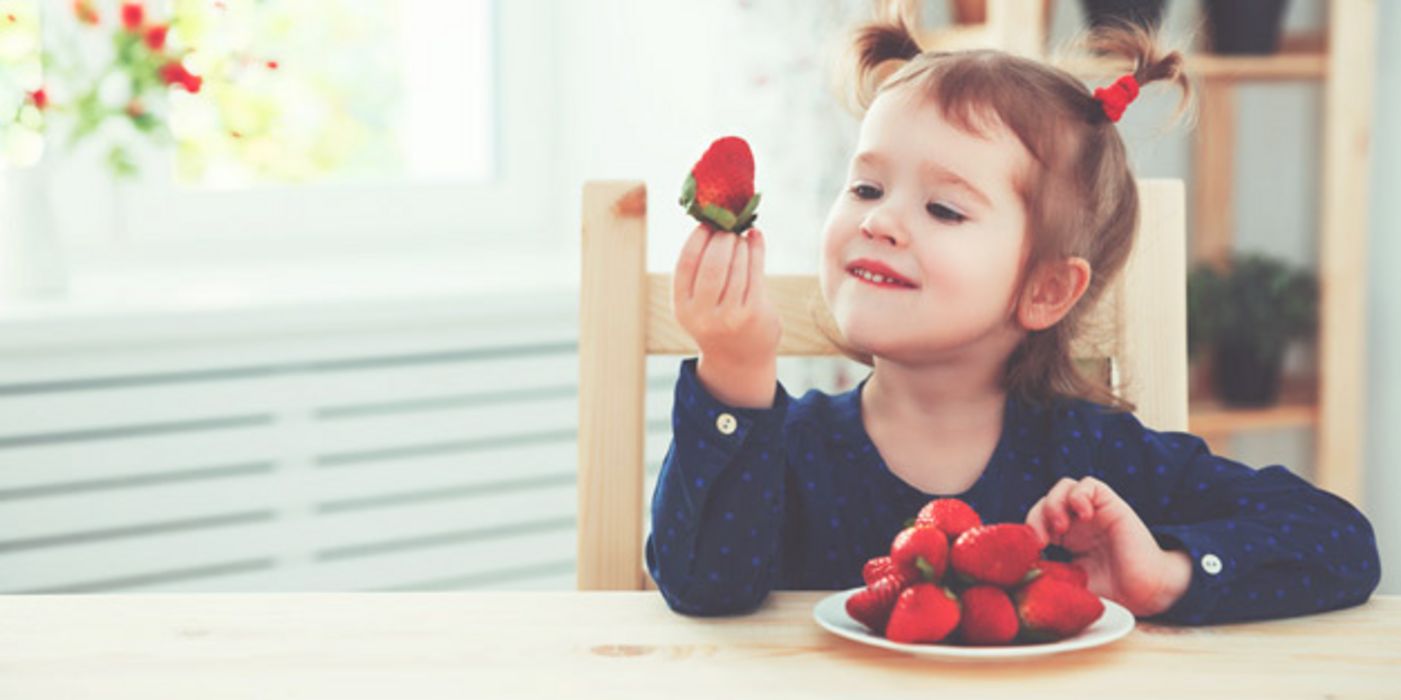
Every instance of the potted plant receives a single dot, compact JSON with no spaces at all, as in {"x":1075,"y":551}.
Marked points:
{"x":1147,"y":13}
{"x":1244,"y":315}
{"x":1245,"y":26}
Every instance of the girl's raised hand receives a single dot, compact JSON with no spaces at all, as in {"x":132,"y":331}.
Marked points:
{"x":1108,"y":539}
{"x":719,"y":298}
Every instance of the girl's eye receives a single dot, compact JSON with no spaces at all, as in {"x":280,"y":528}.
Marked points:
{"x":865,"y":192}
{"x":944,"y":213}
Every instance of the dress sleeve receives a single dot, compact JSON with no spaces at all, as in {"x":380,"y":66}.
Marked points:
{"x":1263,"y":543}
{"x":717,"y":510}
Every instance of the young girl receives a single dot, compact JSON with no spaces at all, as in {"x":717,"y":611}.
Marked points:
{"x":989,"y":203}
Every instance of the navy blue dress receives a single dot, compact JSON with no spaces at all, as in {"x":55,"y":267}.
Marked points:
{"x":797,"y":497}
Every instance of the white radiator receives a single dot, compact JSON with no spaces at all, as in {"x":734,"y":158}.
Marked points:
{"x":412,"y":451}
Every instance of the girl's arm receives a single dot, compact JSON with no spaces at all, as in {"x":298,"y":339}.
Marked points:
{"x":1263,"y":543}
{"x":717,"y":511}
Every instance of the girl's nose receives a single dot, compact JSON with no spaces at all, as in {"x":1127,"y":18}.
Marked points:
{"x":882,"y":228}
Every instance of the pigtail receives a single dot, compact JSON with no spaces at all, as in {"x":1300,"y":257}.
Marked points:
{"x":1151,"y":61}
{"x":874,"y":51}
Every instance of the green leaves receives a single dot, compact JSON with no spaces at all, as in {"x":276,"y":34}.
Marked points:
{"x":1256,"y":301}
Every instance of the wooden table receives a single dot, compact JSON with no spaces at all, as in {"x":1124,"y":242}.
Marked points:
{"x":623,"y":644}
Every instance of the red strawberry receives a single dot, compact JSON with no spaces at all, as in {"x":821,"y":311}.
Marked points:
{"x":1051,"y":609}
{"x":871,"y":606}
{"x":880,"y":567}
{"x":951,"y":515}
{"x":924,"y":613}
{"x":720,"y":189}
{"x":998,"y":554}
{"x":1068,"y":572}
{"x":925,"y":549}
{"x":988,"y":616}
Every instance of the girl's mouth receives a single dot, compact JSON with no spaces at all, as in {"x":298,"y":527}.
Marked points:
{"x":877,"y":279}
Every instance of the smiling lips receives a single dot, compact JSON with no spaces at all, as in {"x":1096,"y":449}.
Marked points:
{"x":878,"y":274}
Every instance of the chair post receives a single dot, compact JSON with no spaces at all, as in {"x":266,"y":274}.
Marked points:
{"x":612,"y":382}
{"x":1151,"y":359}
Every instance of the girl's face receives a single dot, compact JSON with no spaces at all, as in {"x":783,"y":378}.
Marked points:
{"x":934,"y":207}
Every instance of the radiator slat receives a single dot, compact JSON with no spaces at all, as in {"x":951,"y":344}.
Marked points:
{"x":53,"y":567}
{"x":97,"y":510}
{"x":130,"y":408}
{"x":445,"y":471}
{"x":358,"y":533}
{"x":374,"y":433}
{"x":131,"y":457}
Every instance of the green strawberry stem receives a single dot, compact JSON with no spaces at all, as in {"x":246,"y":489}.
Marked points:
{"x":722,"y":217}
{"x":747,"y":216}
{"x":688,"y":191}
{"x":925,"y":569}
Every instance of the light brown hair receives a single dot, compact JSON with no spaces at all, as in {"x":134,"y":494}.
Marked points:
{"x":1081,"y":197}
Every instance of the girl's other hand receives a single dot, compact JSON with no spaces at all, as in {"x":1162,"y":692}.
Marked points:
{"x":1108,"y":539}
{"x":719,"y":298}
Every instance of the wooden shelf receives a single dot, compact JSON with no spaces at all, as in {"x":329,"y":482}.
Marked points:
{"x":1282,"y":66}
{"x":1297,"y":408}
{"x":1216,"y":419}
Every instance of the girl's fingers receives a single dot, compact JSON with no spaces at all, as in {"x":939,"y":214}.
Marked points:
{"x":1036,"y":518}
{"x":754,"y":284}
{"x":1058,"y":519}
{"x":1081,"y":500}
{"x":714,"y":269}
{"x":755,"y":288}
{"x":732,"y":296}
{"x":683,"y":281}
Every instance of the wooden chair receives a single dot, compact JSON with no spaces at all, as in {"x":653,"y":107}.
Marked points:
{"x":1137,"y":337}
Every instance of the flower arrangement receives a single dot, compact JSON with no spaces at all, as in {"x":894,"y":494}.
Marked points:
{"x":63,"y":96}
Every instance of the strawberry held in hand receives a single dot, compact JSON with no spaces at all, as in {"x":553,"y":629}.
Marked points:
{"x":720,"y":189}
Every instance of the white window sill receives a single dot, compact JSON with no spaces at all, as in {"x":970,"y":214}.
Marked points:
{"x":116,"y":305}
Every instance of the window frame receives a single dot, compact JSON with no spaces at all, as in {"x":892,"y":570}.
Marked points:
{"x":273,"y":222}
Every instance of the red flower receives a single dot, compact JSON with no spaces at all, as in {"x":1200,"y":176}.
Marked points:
{"x":133,"y":14}
{"x":174,"y":73}
{"x":40,"y":98}
{"x":86,"y":13}
{"x":155,"y":37}
{"x":272,"y":65}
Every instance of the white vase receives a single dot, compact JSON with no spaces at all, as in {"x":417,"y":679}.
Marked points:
{"x":32,"y":264}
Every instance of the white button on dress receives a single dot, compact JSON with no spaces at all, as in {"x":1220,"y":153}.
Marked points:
{"x":726,"y":423}
{"x":1211,"y":564}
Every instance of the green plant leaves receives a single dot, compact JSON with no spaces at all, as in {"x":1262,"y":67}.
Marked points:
{"x":1255,"y":301}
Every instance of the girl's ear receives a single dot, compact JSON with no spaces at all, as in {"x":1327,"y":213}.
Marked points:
{"x":1054,"y":288}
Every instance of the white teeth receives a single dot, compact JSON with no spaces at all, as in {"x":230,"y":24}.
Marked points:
{"x":878,"y":279}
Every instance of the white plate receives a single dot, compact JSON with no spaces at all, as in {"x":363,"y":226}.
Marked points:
{"x":1114,"y":623}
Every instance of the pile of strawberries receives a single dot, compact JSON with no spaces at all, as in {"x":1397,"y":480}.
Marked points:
{"x":949,"y":578}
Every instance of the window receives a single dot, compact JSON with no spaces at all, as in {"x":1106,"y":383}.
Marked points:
{"x":374,"y":126}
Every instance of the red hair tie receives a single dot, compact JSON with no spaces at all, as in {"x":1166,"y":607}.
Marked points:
{"x":1117,"y":96}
